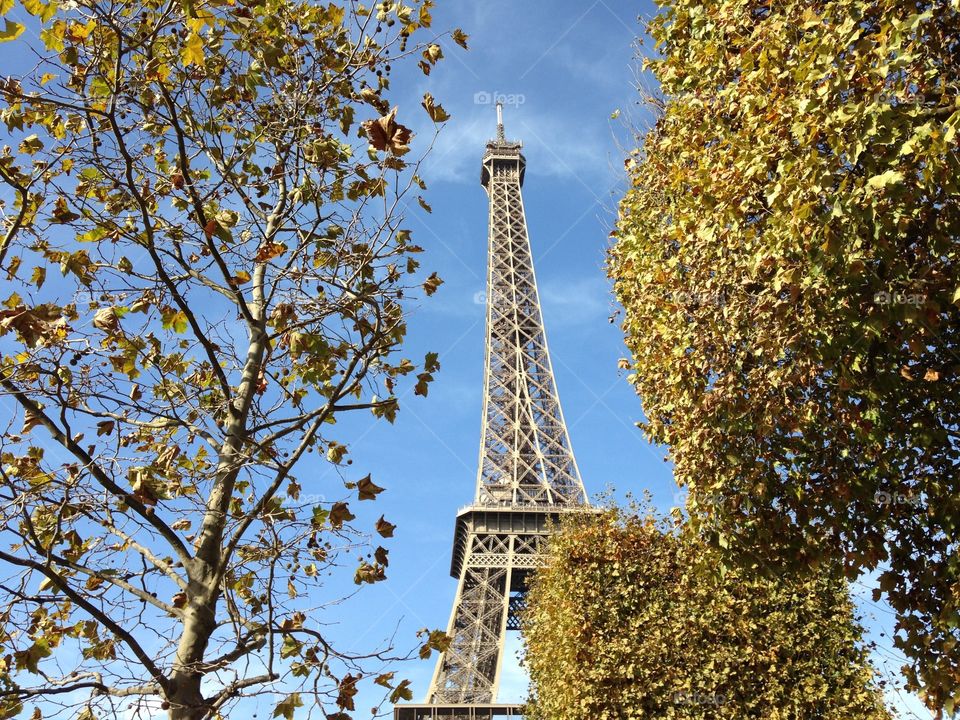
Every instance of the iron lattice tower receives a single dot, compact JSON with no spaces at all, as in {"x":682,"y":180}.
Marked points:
{"x":527,"y":473}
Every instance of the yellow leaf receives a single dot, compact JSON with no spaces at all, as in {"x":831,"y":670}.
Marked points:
{"x":39,"y":9}
{"x":52,"y":36}
{"x":193,"y":50}
{"x":11,"y":32}
{"x":34,"y":7}
{"x":78,"y":31}
{"x":425,"y":18}
{"x":433,"y":53}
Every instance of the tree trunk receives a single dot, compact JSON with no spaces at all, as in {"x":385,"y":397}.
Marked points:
{"x":199,"y":621}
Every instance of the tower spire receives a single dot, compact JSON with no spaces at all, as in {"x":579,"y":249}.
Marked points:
{"x":527,"y":475}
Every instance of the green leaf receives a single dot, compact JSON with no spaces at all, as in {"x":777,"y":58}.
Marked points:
{"x":30,"y":658}
{"x":290,"y":647}
{"x":175,"y":320}
{"x":401,"y":693}
{"x":288,"y":706}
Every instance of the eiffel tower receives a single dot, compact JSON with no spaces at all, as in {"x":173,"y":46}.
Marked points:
{"x":527,"y":474}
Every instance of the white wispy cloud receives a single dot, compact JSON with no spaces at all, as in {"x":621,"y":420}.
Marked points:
{"x":583,"y":300}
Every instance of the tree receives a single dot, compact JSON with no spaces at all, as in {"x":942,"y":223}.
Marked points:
{"x":205,"y":269}
{"x":628,"y":620}
{"x":787,"y":258}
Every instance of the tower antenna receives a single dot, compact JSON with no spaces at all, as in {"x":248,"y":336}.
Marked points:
{"x":500,"y":135}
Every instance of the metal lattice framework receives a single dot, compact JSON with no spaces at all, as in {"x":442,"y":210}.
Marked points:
{"x":525,"y":455}
{"x":527,"y":472}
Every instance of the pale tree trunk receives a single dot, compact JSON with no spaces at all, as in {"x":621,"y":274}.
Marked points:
{"x":205,"y":570}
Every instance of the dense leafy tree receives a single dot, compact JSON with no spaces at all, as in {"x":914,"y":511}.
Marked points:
{"x":787,"y":256}
{"x":628,"y":620}
{"x":205,"y":266}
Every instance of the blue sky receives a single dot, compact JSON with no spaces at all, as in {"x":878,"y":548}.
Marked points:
{"x":563,"y":68}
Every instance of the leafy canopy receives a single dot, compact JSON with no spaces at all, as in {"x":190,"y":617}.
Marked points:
{"x":202,"y":236}
{"x":787,"y":256}
{"x":630,"y":620}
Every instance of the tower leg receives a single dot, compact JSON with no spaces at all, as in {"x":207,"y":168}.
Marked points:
{"x":469,"y":670}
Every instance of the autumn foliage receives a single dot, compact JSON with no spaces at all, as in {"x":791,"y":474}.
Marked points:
{"x":631,"y":620}
{"x":205,"y":265}
{"x":787,"y":257}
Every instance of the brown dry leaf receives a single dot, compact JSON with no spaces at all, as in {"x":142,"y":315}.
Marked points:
{"x":387,"y":134}
{"x":431,"y":284}
{"x":106,"y":319}
{"x":268,"y":251}
{"x":339,"y":514}
{"x":367,"y":489}
{"x":30,"y":421}
{"x":384,"y":527}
